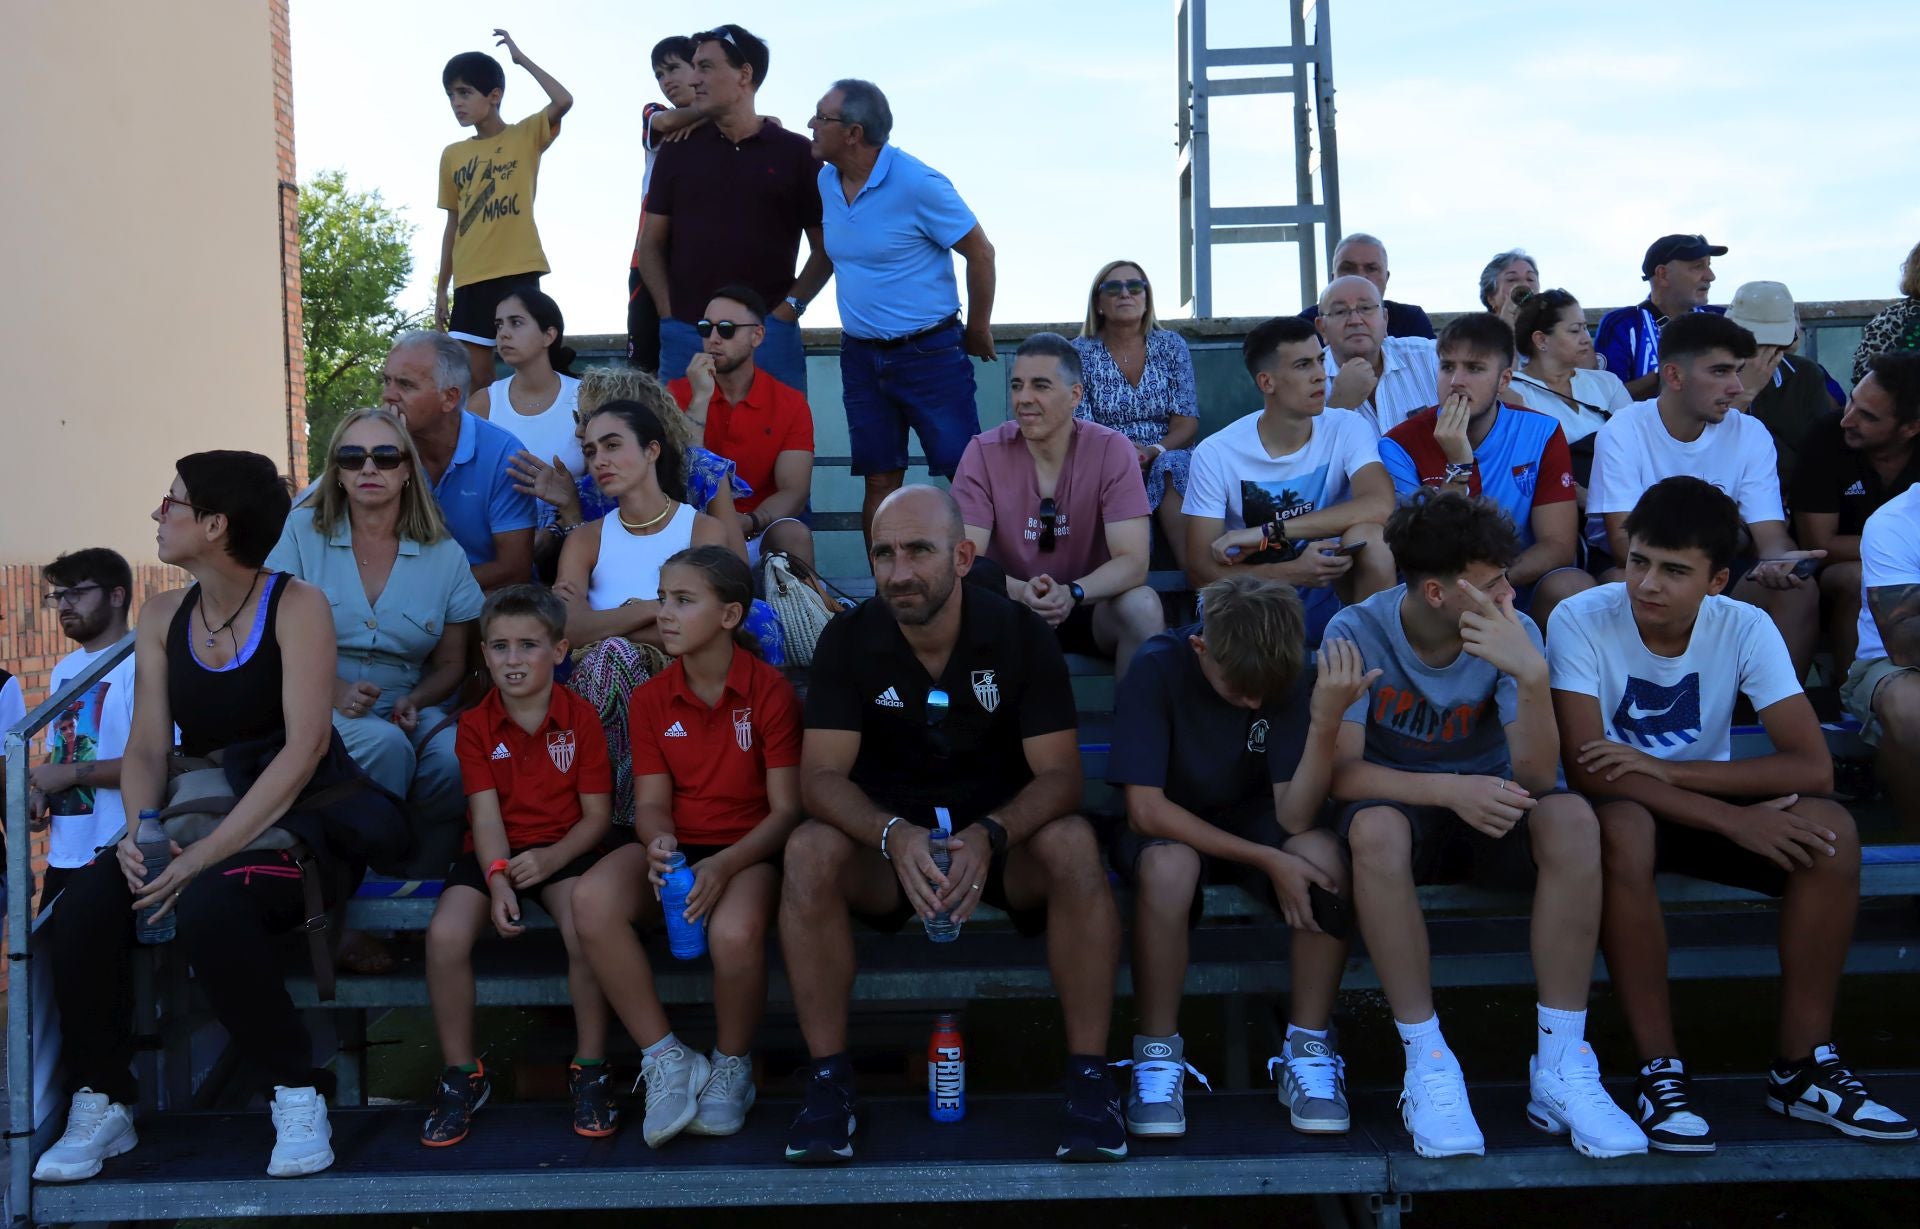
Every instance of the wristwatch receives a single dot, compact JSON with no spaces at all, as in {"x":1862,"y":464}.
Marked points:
{"x":1074,"y":591}
{"x":996,"y":835}
{"x":799,"y":306}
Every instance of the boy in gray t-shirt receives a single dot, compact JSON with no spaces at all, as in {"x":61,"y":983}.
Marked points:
{"x":1454,"y":750}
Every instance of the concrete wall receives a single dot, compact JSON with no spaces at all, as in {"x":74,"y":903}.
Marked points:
{"x":146,"y":314}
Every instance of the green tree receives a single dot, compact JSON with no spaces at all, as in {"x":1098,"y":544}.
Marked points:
{"x":354,"y":262}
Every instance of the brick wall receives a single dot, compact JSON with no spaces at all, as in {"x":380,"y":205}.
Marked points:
{"x":289,"y":198}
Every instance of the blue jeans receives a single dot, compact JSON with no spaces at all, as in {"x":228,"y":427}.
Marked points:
{"x":781,"y":355}
{"x":926,"y":384}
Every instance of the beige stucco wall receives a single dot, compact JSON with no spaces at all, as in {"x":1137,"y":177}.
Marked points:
{"x":142,"y":313}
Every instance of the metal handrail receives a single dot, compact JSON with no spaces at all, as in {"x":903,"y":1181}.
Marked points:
{"x":20,"y":1115}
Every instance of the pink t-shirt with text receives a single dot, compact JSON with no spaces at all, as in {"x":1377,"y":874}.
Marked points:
{"x":1099,"y":483}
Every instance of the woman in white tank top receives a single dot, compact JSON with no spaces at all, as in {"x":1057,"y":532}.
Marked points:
{"x":610,"y":568}
{"x":537,"y":402}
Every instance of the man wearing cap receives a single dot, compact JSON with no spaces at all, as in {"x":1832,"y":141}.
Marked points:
{"x":1362,"y":255}
{"x":1678,"y":270}
{"x":1786,"y":391}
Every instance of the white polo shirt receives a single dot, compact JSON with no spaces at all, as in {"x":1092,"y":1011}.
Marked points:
{"x":1409,"y":382}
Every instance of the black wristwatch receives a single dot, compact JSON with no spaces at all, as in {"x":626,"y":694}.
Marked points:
{"x":996,"y":835}
{"x":1074,"y":591}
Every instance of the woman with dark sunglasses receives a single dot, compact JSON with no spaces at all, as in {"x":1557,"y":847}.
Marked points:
{"x":1139,"y":381}
{"x":404,"y":601}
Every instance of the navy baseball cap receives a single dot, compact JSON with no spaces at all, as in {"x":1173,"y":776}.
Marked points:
{"x":1677,"y":247}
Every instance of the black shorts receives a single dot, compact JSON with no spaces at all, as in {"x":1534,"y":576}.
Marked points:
{"x":993,"y":891}
{"x":1681,"y":850}
{"x":1253,"y":820}
{"x":467,"y":872}
{"x":471,"y":319}
{"x":1448,"y":849}
{"x":1076,"y":632}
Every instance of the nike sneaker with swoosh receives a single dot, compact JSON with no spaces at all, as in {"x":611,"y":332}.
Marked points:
{"x":1821,"y":1089}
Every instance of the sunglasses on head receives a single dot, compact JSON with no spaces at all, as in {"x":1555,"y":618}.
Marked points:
{"x":353,"y":457}
{"x":937,"y":706}
{"x":1049,"y":521}
{"x":726,"y":328}
{"x":1132,"y":285}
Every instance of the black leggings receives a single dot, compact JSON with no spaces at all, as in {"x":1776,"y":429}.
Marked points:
{"x":229,"y":916}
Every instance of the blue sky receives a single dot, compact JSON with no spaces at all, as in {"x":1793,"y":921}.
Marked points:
{"x":1577,"y":132}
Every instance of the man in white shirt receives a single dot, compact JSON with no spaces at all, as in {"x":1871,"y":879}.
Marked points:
{"x":1883,"y":685}
{"x":78,"y":788}
{"x":1644,"y":679}
{"x":1691,"y":429}
{"x":1384,"y":378}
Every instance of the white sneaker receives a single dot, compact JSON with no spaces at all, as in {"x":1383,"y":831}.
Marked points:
{"x":1572,"y":1099}
{"x":96,"y":1129}
{"x":674,"y":1080}
{"x":728,"y":1095}
{"x":1434,"y":1109}
{"x":303,"y":1141}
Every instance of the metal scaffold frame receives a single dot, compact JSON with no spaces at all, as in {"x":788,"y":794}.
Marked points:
{"x":1306,"y":66}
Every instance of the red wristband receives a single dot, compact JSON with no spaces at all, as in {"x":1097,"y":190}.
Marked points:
{"x":499,"y":864}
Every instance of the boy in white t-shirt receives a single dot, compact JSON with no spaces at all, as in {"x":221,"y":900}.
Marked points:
{"x":1691,"y":428}
{"x":1296,"y":492}
{"x":1882,"y":688}
{"x":1644,"y":676}
{"x":78,"y":788}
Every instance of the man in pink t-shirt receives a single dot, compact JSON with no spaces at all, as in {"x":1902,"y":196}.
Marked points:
{"x":1058,"y":503}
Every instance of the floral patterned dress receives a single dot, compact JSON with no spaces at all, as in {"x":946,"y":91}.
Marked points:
{"x":1142,"y":411}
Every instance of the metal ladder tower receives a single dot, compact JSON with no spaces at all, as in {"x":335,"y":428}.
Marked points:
{"x":1308,"y":62}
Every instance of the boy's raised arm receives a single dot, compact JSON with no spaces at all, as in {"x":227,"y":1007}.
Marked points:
{"x":559,"y":100}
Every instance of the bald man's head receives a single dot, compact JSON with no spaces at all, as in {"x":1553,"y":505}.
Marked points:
{"x":919,"y":551}
{"x":921,"y":504}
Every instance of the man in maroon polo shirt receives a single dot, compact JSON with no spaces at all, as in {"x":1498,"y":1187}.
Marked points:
{"x":729,"y":204}
{"x":760,"y":424}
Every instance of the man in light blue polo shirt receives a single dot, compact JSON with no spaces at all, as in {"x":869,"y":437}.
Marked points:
{"x":892,"y":224}
{"x":465,"y":456}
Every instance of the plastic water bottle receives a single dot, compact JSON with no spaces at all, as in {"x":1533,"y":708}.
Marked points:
{"x":946,"y":1070}
{"x":155,"y":851}
{"x":941,"y":928}
{"x":686,"y":940}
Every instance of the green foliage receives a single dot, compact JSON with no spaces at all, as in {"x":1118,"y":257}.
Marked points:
{"x":354,"y":262}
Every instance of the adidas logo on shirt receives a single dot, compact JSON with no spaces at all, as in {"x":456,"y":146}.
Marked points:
{"x":889,"y":699}
{"x":1858,"y":488}
{"x":500,"y":752}
{"x":676,"y":730}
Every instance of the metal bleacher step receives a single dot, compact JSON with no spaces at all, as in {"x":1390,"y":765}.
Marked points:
{"x":523,"y":1157}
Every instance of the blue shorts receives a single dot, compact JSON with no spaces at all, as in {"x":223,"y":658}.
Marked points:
{"x":926,"y":383}
{"x":781,"y":355}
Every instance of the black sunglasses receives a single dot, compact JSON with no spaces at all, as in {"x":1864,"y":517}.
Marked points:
{"x":726,"y":328}
{"x":937,"y":706}
{"x":1049,"y":521}
{"x":1132,"y":285}
{"x":352,"y":457}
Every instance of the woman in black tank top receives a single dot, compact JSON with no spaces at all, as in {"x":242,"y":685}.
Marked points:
{"x":243,"y":663}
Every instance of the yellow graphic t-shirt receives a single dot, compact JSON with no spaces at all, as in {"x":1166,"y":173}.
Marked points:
{"x":489,"y":182}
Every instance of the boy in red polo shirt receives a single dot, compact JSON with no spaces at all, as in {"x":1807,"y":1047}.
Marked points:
{"x":539,"y":790}
{"x":716,"y":754}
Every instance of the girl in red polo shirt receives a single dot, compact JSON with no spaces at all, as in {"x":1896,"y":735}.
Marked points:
{"x":716,"y":754}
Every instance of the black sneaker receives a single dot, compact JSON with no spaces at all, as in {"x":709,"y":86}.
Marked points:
{"x":595,"y":1115}
{"x":1821,"y":1089}
{"x":822,"y":1132}
{"x":1095,"y":1129}
{"x":1664,"y":1110}
{"x":459,"y":1096}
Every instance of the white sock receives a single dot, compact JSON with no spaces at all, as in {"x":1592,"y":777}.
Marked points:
{"x":660,"y":1047}
{"x":1422,"y":1040}
{"x":1560,"y":1032}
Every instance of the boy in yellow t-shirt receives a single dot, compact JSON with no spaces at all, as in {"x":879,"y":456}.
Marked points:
{"x":487,"y":184}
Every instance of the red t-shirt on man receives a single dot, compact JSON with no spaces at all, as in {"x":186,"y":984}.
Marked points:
{"x":718,"y":757}
{"x":771,"y":419}
{"x":539,"y":776}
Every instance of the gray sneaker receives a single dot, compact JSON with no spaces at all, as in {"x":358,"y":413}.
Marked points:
{"x":1313,"y":1086}
{"x":674,"y":1080}
{"x":726,"y":1098}
{"x":1156,"y":1097}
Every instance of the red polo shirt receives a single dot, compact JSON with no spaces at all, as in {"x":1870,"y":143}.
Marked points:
{"x":539,"y":776}
{"x":718,"y":757}
{"x":771,"y":419}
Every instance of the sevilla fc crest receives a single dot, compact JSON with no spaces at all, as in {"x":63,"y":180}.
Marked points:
{"x":560,"y":749}
{"x":743,"y":728}
{"x":986,"y":690}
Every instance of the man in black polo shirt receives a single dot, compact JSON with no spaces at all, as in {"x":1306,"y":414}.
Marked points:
{"x":1849,"y":466}
{"x":729,"y":204}
{"x":937,"y":694}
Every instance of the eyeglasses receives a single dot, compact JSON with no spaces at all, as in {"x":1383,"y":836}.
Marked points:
{"x":1049,"y":521}
{"x":69,"y":597}
{"x":352,"y":457}
{"x":1341,"y":313}
{"x":938,"y":705}
{"x":1132,"y":285}
{"x":726,"y":328}
{"x":827,"y":119}
{"x":170,"y":501}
